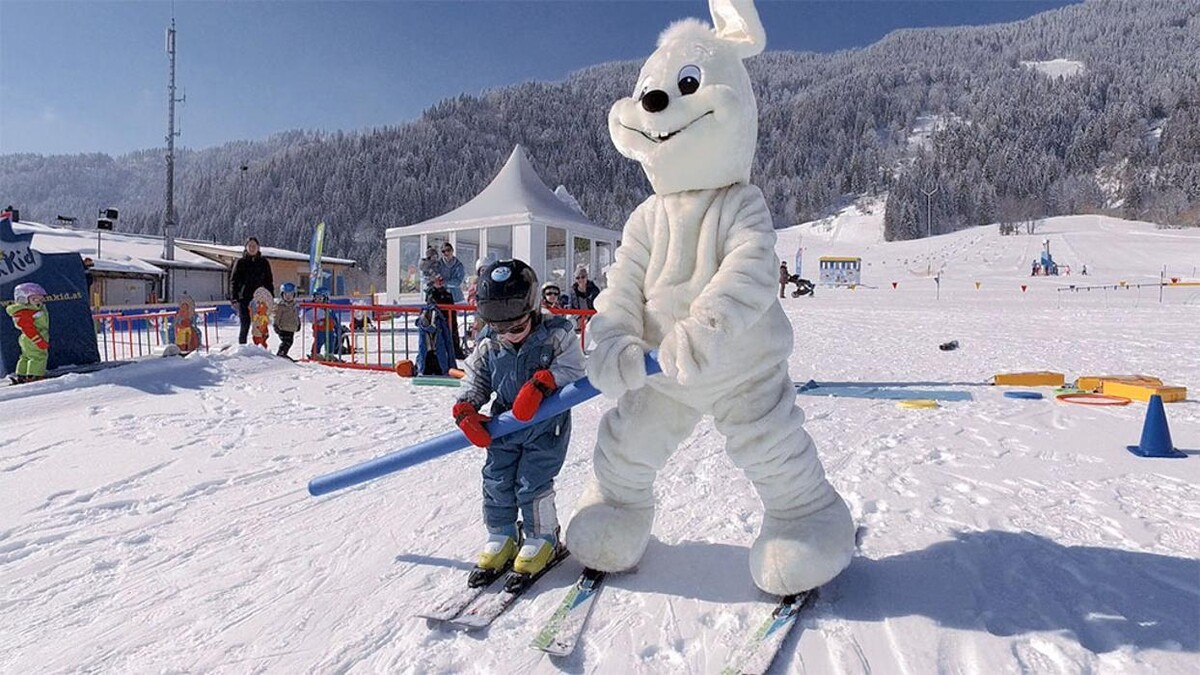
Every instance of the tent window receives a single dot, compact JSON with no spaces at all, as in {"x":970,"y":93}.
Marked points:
{"x":583,"y":255}
{"x":556,"y":256}
{"x":499,"y":242}
{"x":604,"y":258}
{"x":467,"y":249}
{"x":410,"y":258}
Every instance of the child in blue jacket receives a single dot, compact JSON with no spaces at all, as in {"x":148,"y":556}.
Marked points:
{"x":522,"y":357}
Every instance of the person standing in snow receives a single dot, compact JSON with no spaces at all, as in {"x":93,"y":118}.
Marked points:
{"x":32,"y":319}
{"x":784,"y":276}
{"x":428,"y":268}
{"x":582,"y":293}
{"x":453,"y":274}
{"x":523,"y":357}
{"x":476,"y":324}
{"x":287,"y":318}
{"x":452,"y":271}
{"x":327,"y":329}
{"x":438,"y":294}
{"x":551,"y":296}
{"x":250,"y":272}
{"x":90,"y":277}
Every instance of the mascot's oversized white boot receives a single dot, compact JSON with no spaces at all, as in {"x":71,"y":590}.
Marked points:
{"x":696,"y":277}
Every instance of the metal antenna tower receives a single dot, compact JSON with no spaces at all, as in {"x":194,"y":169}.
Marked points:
{"x":169,"y":218}
{"x":929,"y":210}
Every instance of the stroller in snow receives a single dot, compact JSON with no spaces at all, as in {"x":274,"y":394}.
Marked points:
{"x":803,"y":286}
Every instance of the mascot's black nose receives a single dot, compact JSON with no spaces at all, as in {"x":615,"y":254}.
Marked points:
{"x":656,"y":100}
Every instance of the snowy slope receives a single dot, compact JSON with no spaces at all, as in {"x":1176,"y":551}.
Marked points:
{"x":154,"y":517}
{"x":1113,"y":250}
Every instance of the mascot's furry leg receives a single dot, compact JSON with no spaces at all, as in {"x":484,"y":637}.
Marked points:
{"x":611,"y":525}
{"x":807,"y":535}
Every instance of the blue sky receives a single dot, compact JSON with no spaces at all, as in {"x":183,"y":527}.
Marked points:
{"x":91,"y":76}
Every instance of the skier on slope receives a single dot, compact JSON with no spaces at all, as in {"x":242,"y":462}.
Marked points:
{"x":327,"y":329}
{"x":287,"y":318}
{"x":32,"y":319}
{"x":523,"y":357}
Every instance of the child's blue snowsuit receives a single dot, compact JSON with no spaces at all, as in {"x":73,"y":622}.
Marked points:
{"x":327,"y":334}
{"x":519,"y":472}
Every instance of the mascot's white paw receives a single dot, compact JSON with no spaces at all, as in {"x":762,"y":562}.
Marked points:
{"x":791,"y":556}
{"x":677,"y":357}
{"x":607,"y":536}
{"x":668,"y":358}
{"x":616,"y":366}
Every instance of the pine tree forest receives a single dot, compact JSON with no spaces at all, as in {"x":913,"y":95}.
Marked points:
{"x":956,"y":126}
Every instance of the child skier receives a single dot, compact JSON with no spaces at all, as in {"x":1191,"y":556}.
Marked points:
{"x":259,"y":323}
{"x":32,"y":319}
{"x":522,"y":357}
{"x":287,"y":318}
{"x":327,"y":331}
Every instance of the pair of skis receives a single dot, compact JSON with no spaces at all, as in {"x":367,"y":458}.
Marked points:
{"x":561,"y":632}
{"x":474,"y":608}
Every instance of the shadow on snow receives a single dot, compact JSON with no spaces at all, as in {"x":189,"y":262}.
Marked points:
{"x":1010,"y":583}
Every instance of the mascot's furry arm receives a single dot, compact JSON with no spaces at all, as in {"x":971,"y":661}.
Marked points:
{"x":616,"y":365}
{"x":737,"y":296}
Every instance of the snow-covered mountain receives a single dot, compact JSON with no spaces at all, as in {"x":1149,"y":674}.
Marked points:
{"x":154,"y":517}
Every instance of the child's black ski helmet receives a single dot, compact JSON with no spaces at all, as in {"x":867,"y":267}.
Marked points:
{"x":507,"y":290}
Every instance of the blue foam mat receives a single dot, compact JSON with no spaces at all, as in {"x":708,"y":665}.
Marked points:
{"x":868,"y":391}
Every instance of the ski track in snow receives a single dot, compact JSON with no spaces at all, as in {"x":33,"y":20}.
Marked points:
{"x":155,"y":517}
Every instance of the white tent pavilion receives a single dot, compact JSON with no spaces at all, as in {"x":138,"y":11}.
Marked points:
{"x":516,"y":215}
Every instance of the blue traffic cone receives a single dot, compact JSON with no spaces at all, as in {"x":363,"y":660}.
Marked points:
{"x":1156,"y":437}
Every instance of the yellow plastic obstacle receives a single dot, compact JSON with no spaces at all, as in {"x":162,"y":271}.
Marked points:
{"x":917,"y":403}
{"x":1042,"y":378}
{"x":1143,"y":392}
{"x":1093,"y":383}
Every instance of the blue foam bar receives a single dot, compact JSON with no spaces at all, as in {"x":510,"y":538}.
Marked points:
{"x":564,"y":399}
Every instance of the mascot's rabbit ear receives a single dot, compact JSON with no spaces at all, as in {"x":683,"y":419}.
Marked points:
{"x":736,"y":21}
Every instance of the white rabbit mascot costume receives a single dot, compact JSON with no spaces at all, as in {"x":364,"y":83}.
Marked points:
{"x":696,"y":277}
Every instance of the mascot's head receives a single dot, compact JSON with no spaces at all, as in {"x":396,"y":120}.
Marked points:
{"x":692,"y":121}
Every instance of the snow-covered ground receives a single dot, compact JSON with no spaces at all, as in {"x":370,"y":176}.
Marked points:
{"x":154,"y":517}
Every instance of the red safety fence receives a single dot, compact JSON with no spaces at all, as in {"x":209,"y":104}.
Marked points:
{"x":128,"y":336}
{"x":377,"y":337}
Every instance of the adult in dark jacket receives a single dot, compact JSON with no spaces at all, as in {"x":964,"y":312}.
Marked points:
{"x":582,"y":294}
{"x":250,"y":272}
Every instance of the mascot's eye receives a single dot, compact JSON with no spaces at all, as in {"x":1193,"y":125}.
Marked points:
{"x":689,"y":80}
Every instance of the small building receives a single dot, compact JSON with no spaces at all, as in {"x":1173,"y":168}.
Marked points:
{"x":515,"y":216}
{"x":129,"y":269}
{"x":285,"y":265}
{"x":840,"y":271}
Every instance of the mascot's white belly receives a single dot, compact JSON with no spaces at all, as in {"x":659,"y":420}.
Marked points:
{"x":689,"y":237}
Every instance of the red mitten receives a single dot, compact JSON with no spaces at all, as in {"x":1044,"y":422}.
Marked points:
{"x":42,"y":344}
{"x":532,"y":392}
{"x":471,"y":422}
